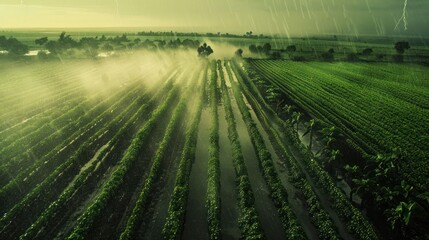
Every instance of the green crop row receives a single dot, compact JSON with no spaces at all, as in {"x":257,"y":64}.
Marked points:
{"x":249,"y":223}
{"x":213,"y":184}
{"x":23,"y":180}
{"x":53,"y":209}
{"x":367,"y":112}
{"x":177,"y":206}
{"x":320,"y":218}
{"x":41,"y":195}
{"x":353,"y":219}
{"x":277,"y":191}
{"x":87,"y":219}
{"x":140,"y":207}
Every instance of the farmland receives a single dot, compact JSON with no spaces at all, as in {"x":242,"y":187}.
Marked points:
{"x":166,"y":145}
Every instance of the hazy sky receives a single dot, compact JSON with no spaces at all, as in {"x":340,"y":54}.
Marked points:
{"x":293,"y":17}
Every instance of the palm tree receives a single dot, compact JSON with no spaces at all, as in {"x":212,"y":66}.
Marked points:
{"x":296,"y":117}
{"x":352,"y":172}
{"x":400,"y":216}
{"x":328,"y":138}
{"x":310,"y":127}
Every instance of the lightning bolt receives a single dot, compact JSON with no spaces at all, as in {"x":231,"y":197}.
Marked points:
{"x":404,"y":17}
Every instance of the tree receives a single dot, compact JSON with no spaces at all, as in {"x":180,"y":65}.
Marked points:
{"x":352,"y":57}
{"x":204,"y":50}
{"x":327,"y":137}
{"x":367,"y":51}
{"x":266,"y":48}
{"x":276,"y":55}
{"x":13,"y":46}
{"x":296,"y":118}
{"x":239,"y":53}
{"x":400,"y":50}
{"x":274,"y":96}
{"x":253,"y":48}
{"x":310,"y":128}
{"x":41,"y":41}
{"x":401,"y":47}
{"x":352,"y":172}
{"x":291,"y":49}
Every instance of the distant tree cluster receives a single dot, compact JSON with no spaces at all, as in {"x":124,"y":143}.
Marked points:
{"x":13,"y":46}
{"x":329,"y":55}
{"x":92,"y":45}
{"x":194,"y":34}
{"x":260,"y":49}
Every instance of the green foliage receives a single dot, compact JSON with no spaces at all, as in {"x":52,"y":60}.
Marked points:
{"x":277,"y":192}
{"x":352,"y":218}
{"x":53,"y":209}
{"x":177,"y":206}
{"x":204,"y":50}
{"x":136,"y":218}
{"x":248,"y":222}
{"x":213,"y":185}
{"x":13,"y":46}
{"x":401,"y":46}
{"x":87,"y":219}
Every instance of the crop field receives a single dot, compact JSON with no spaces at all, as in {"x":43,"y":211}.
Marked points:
{"x":165,"y":145}
{"x":377,"y":107}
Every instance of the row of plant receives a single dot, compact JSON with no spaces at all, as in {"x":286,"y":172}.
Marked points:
{"x":8,"y":151}
{"x":14,"y":110}
{"x":249,"y":223}
{"x":373,"y":119}
{"x":88,"y":123}
{"x":352,"y":217}
{"x":52,"y":186}
{"x":173,"y":226}
{"x":141,"y":205}
{"x":47,"y":114}
{"x":369,"y":76}
{"x":386,"y":113}
{"x":27,"y":177}
{"x":213,"y":181}
{"x":39,"y":142}
{"x":382,"y":92}
{"x":46,"y":75}
{"x":277,"y":191}
{"x":37,"y":91}
{"x":89,"y":217}
{"x":309,"y":103}
{"x":321,"y":220}
{"x":15,"y":116}
{"x":54,"y":209}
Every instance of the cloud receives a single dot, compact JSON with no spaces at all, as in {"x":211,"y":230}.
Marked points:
{"x":290,"y":17}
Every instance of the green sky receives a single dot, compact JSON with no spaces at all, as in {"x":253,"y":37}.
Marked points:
{"x":293,"y":17}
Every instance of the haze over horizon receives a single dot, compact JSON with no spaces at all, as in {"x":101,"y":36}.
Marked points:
{"x":286,"y":17}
